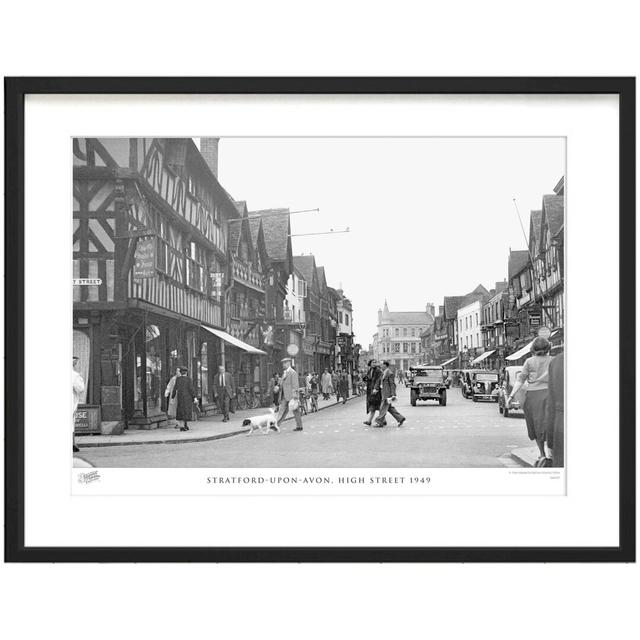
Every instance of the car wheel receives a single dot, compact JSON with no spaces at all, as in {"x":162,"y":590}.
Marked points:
{"x":443,"y":399}
{"x":505,"y":413}
{"x":475,"y":399}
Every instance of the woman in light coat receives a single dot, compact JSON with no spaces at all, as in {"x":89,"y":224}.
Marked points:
{"x":325,"y":384}
{"x":172,"y":402}
{"x":535,"y":371}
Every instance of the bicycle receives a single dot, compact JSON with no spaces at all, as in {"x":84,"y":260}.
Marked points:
{"x":246,"y":400}
{"x":302,"y":401}
{"x":314,"y":402}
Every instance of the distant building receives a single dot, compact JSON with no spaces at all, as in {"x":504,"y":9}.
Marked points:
{"x":398,"y":337}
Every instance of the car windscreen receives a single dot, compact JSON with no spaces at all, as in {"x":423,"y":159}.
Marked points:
{"x":486,"y":377}
{"x":428,"y":374}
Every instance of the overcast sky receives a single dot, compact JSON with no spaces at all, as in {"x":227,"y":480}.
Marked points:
{"x":428,"y":217}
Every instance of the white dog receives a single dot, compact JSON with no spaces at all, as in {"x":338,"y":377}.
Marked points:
{"x":264,"y":423}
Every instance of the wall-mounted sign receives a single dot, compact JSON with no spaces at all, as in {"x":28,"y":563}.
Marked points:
{"x":217,"y":282}
{"x":144,"y":261}
{"x":87,"y":282}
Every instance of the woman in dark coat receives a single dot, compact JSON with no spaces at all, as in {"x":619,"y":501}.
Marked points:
{"x":185,"y":395}
{"x":372,"y":380}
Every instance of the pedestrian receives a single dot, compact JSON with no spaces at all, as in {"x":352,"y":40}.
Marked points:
{"x":334,"y":382}
{"x":535,"y":371}
{"x":171,"y":402}
{"x":185,"y":397}
{"x":388,"y":391}
{"x":224,"y":391}
{"x":343,"y":387}
{"x":554,"y":424}
{"x":290,"y":394}
{"x":372,"y":379}
{"x":274,"y":389}
{"x":77,"y":384}
{"x":325,"y":384}
{"x":314,"y":386}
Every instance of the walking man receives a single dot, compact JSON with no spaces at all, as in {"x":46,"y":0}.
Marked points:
{"x":290,"y":386}
{"x":224,"y":391}
{"x":388,"y":391}
{"x":78,"y":389}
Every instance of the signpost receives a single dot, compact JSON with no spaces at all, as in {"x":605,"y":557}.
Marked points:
{"x":144,"y":261}
{"x":544,"y":332}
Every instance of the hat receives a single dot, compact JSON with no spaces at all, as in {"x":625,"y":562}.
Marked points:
{"x":286,"y":359}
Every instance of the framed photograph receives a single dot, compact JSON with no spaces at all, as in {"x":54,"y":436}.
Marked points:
{"x":320,"y":319}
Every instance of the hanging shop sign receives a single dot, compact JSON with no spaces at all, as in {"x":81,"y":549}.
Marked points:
{"x":144,"y":261}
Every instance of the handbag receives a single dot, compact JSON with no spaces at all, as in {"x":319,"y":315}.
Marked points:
{"x":294,"y":405}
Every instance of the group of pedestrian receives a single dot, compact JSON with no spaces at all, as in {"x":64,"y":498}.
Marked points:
{"x":544,"y":402}
{"x":381,"y":394}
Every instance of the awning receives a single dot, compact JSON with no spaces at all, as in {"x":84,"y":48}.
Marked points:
{"x":234,"y":341}
{"x":521,"y":352}
{"x":480,"y":358}
{"x":448,"y":361}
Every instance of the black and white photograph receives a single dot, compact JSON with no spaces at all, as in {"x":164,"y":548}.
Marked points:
{"x":319,"y":302}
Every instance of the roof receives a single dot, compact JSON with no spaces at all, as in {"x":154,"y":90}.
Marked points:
{"x":275,"y":225}
{"x":517,"y":261}
{"x":534,"y":227}
{"x":322,"y":278}
{"x":407,"y":317}
{"x":254,"y":227}
{"x":453,"y":303}
{"x":306,"y":265}
{"x":553,"y":207}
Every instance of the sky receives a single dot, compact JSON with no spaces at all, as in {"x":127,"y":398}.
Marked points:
{"x":428,"y":217}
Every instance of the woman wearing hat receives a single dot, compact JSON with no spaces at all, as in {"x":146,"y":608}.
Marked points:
{"x":535,"y":371}
{"x":185,"y":397}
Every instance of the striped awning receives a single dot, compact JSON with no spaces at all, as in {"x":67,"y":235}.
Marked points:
{"x":234,"y":342}
{"x":482,"y":356}
{"x":448,"y":361}
{"x":521,"y":352}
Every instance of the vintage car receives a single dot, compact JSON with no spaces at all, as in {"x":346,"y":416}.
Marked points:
{"x":510,"y":378}
{"x":427,"y":383}
{"x":484,"y":385}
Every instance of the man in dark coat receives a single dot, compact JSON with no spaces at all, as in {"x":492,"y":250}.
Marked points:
{"x":388,"y":391}
{"x":554,"y":419}
{"x":185,"y":396}
{"x":223,"y":391}
{"x":372,"y":380}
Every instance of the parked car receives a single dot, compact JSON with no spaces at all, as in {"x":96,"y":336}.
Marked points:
{"x":510,"y":378}
{"x":427,"y":383}
{"x":484,"y":385}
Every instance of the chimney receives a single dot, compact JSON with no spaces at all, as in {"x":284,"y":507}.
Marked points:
{"x":209,"y":151}
{"x":431,"y":309}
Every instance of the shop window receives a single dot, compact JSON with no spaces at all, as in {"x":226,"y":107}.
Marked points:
{"x":153,"y":376}
{"x":82,"y":349}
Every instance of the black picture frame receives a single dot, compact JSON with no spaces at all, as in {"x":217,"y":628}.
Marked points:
{"x":15,"y":91}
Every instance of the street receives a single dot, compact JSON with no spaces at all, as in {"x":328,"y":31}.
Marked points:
{"x":461,"y":434}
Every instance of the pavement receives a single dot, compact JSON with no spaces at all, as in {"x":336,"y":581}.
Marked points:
{"x":463,"y":434}
{"x":526,"y":456}
{"x":206,"y":428}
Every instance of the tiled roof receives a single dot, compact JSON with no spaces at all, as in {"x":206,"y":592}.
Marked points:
{"x":254,"y":227}
{"x":407,"y":317}
{"x":553,"y":207}
{"x":234,"y":235}
{"x":306,"y":265}
{"x":534,"y":228}
{"x":322,"y":279}
{"x":517,"y":260}
{"x":275,"y":225}
{"x":453,"y":303}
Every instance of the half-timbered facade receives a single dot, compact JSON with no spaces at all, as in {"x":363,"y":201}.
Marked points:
{"x":150,"y":232}
{"x":246,"y":300}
